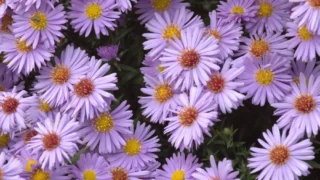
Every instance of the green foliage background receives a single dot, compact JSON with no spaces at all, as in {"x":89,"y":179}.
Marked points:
{"x":231,"y":138}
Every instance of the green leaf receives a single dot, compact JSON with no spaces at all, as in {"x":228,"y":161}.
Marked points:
{"x":77,"y":156}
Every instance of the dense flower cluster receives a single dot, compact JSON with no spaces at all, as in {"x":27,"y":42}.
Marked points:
{"x":262,"y":50}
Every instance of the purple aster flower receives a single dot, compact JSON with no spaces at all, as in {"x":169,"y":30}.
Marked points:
{"x":107,"y":53}
{"x":124,"y":5}
{"x":42,"y":24}
{"x":22,"y":57}
{"x":266,"y":79}
{"x":22,"y":138}
{"x":260,"y":45}
{"x":301,"y":108}
{"x":55,"y":81}
{"x":39,"y":112}
{"x":106,"y":131}
{"x":308,"y":69}
{"x":13,"y":106}
{"x":179,"y":166}
{"x":119,"y":172}
{"x":90,"y":167}
{"x":6,"y":21}
{"x":161,"y":96}
{"x":32,"y":168}
{"x":139,"y":149}
{"x":307,"y":43}
{"x":152,"y":168}
{"x":193,"y":117}
{"x":189,"y":61}
{"x":152,"y":66}
{"x":10,"y":167}
{"x":25,"y":5}
{"x":227,"y":35}
{"x":147,"y":8}
{"x":307,"y":13}
{"x":166,"y":27}
{"x":4,"y":6}
{"x":28,"y":161}
{"x":271,"y":17}
{"x":7,"y":83}
{"x":97,"y":14}
{"x":223,"y":170}
{"x":237,"y":10}
{"x":224,"y":88}
{"x":90,"y":93}
{"x":5,"y":73}
{"x":282,"y":155}
{"x":56,"y":140}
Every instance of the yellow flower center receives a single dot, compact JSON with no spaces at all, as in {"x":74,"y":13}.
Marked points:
{"x":6,"y":22}
{"x":264,"y":77}
{"x":216,"y":83}
{"x":22,"y":46}
{"x":214,"y":33}
{"x":60,"y":74}
{"x":163,"y":92}
{"x":4,"y":140}
{"x":237,"y":10}
{"x":304,"y":104}
{"x":279,"y":155}
{"x":171,"y":31}
{"x":104,"y":123}
{"x":259,"y":47}
{"x":89,"y":175}
{"x":265,"y":9}
{"x":160,"y":5}
{"x":50,"y":141}
{"x":314,"y":3}
{"x":29,"y":164}
{"x":178,"y":175}
{"x":40,"y":174}
{"x":304,"y":34}
{"x":189,"y":59}
{"x":132,"y":147}
{"x":44,"y":107}
{"x":119,"y":174}
{"x":93,"y":11}
{"x":188,"y":116}
{"x":160,"y":68}
{"x":38,"y":21}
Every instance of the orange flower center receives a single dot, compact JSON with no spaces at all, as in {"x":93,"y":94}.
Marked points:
{"x":189,"y":59}
{"x":216,"y":84}
{"x":259,"y":47}
{"x":2,"y":2}
{"x":214,"y":33}
{"x":314,"y":3}
{"x":187,"y":116}
{"x":84,"y":88}
{"x":304,"y":104}
{"x":51,"y":141}
{"x":119,"y":174}
{"x":279,"y":155}
{"x":60,"y":74}
{"x":6,"y":22}
{"x":29,"y":135}
{"x":10,"y":105}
